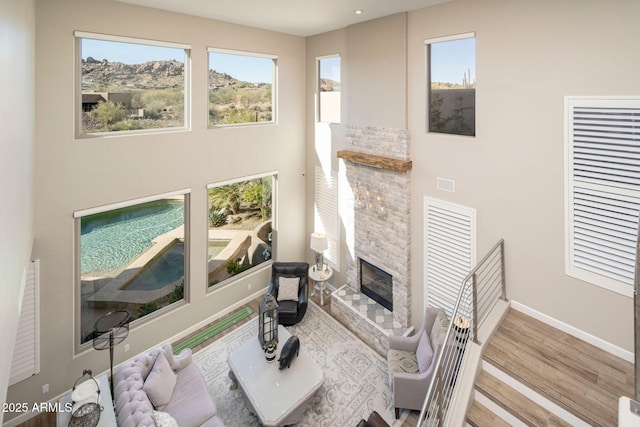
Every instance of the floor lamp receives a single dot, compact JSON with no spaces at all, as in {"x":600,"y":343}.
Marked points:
{"x":109,"y":331}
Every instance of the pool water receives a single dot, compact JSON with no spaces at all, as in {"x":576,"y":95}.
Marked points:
{"x":110,"y":241}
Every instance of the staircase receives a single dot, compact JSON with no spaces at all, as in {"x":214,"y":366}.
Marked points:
{"x":536,"y":375}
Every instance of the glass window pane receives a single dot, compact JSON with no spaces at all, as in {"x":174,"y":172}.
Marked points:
{"x":131,"y":258}
{"x":452,"y":88}
{"x":240,"y":88}
{"x":130,"y":86}
{"x":329,"y":89}
{"x":240,"y":222}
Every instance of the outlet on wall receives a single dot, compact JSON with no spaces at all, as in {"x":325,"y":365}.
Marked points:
{"x":45,"y":388}
{"x":249,"y":286}
{"x":126,"y":348}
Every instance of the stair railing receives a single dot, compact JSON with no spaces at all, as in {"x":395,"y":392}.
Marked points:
{"x":480,"y":291}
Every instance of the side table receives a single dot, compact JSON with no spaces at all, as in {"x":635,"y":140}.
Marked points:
{"x":320,"y":276}
{"x":107,"y":415}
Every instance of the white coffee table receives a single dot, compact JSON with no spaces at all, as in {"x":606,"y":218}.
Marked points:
{"x":277,"y":397}
{"x":107,"y":415}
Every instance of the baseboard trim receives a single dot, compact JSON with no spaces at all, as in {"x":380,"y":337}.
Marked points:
{"x":585,"y":336}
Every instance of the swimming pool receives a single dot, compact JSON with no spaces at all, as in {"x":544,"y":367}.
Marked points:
{"x":110,"y":241}
{"x":168,"y":267}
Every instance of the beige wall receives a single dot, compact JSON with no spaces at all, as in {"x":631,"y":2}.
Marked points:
{"x":529,"y":56}
{"x":17,"y":109}
{"x":77,"y":174}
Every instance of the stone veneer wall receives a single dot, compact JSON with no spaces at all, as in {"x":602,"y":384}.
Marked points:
{"x":382,"y":239}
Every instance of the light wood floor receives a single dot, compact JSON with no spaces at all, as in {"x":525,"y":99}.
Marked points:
{"x":575,"y":375}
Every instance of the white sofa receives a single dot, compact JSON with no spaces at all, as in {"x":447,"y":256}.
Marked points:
{"x":161,"y":383}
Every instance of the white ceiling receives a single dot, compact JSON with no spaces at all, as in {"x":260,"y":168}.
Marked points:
{"x":298,"y":17}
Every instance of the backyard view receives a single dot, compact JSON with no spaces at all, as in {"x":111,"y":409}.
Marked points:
{"x":452,"y":86}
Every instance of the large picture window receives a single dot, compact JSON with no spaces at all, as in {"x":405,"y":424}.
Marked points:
{"x":131,"y":256}
{"x":241,"y":232}
{"x":241,"y":88}
{"x":130,"y":84}
{"x":452,"y":85}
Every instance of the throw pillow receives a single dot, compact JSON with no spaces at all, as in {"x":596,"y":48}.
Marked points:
{"x":160,"y":382}
{"x":288,"y":288}
{"x":164,"y":419}
{"x":439,"y":329}
{"x":424,"y":354}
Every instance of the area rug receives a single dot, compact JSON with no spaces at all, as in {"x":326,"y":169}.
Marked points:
{"x":213,"y":330}
{"x":356,"y":380}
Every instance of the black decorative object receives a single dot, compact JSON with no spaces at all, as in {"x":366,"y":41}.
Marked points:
{"x":88,"y":413}
{"x":268,"y":322}
{"x":109,"y":331}
{"x":289,"y":351}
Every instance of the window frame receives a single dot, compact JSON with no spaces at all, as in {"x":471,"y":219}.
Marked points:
{"x":274,"y":87}
{"x":79,"y":132}
{"x":77,"y":217}
{"x":428,"y":43}
{"x":318,"y":92}
{"x":274,"y":229}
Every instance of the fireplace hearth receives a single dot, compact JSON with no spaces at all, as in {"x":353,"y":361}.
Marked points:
{"x":376,"y":284}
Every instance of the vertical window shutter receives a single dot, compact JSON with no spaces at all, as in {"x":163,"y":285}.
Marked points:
{"x":326,"y":213}
{"x":26,"y":354}
{"x":449,"y":251}
{"x":602,"y":140}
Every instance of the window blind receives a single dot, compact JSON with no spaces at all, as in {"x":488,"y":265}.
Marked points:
{"x":26,"y":353}
{"x":602,"y":142}
{"x":449,"y":251}
{"x":326,"y":213}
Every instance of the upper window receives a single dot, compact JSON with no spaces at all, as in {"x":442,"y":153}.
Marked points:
{"x":241,"y":88}
{"x":602,"y":190}
{"x":130,"y":84}
{"x":452,"y":85}
{"x":241,"y":231}
{"x":130,"y":255}
{"x":329,"y":89}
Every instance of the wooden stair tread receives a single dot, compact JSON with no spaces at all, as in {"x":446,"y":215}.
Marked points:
{"x":479,"y":416}
{"x":572,"y":373}
{"x":516,"y":403}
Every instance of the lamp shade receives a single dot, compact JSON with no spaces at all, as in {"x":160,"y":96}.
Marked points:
{"x":319,"y":242}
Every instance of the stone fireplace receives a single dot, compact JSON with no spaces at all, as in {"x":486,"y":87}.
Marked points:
{"x":375,"y":199}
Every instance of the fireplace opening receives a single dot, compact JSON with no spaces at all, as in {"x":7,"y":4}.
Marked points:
{"x":376,"y":284}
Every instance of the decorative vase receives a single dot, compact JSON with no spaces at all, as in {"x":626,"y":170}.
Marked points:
{"x":270,"y":353}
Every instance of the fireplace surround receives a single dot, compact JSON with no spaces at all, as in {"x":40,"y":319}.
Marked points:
{"x":377,"y":284}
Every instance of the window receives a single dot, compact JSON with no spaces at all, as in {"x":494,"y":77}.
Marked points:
{"x":131,"y":255}
{"x":452,"y":85}
{"x":241,"y":88}
{"x":329,"y":89}
{"x":130,"y":85}
{"x":241,"y":231}
{"x":602,"y":190}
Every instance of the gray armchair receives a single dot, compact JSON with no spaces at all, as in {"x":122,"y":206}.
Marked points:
{"x":411,"y":361}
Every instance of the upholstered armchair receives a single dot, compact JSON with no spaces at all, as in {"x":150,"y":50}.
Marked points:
{"x":412,"y":360}
{"x":289,"y":287}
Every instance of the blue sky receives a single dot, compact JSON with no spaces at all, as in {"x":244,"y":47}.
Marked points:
{"x":245,"y":68}
{"x":450,"y":60}
{"x":330,"y":68}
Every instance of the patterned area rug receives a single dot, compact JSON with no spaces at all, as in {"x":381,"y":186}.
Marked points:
{"x":356,"y":380}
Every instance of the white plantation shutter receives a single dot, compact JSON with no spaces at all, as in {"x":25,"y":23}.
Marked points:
{"x":26,"y":354}
{"x":602,"y":143}
{"x":449,"y":251}
{"x":326,"y":213}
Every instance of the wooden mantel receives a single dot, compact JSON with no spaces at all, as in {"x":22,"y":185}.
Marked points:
{"x":376,"y":161}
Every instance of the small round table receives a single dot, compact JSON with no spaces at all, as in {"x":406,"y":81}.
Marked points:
{"x":320,"y":276}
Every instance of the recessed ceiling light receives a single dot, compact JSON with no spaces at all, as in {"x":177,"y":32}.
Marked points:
{"x":358,"y":11}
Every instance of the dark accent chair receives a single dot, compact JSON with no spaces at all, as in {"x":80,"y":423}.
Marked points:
{"x":374,"y":420}
{"x":290,"y":312}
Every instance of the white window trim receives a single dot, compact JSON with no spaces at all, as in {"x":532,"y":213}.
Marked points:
{"x":79,"y":134}
{"x":274,"y":87}
{"x":127,"y":203}
{"x":571,"y":269}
